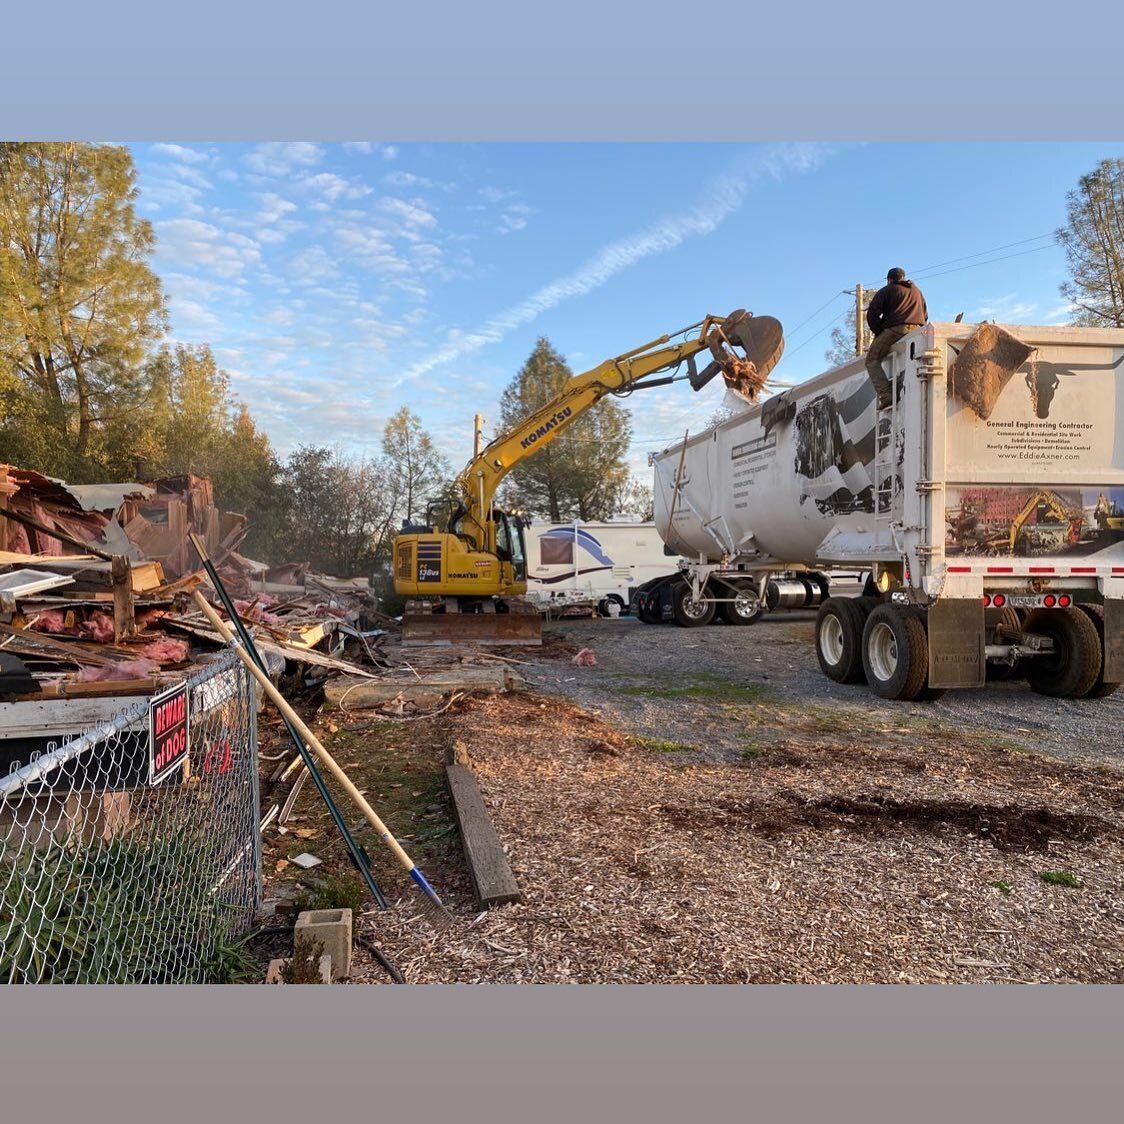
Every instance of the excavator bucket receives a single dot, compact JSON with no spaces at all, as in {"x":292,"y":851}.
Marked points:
{"x":745,"y":348}
{"x":428,"y":624}
{"x":984,"y":366}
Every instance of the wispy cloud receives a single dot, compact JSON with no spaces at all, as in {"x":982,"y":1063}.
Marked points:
{"x":720,"y":200}
{"x":280,"y":158}
{"x":182,"y":153}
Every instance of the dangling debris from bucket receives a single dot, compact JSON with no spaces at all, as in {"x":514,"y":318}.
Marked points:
{"x":985,"y":366}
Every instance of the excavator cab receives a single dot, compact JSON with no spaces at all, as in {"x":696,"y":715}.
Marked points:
{"x":511,"y":546}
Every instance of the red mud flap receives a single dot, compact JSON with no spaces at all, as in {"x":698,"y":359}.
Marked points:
{"x":956,"y":643}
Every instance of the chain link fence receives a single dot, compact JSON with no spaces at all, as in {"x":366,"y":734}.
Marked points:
{"x":111,"y":872}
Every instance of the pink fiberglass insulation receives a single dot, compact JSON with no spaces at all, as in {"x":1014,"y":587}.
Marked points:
{"x":165,"y":651}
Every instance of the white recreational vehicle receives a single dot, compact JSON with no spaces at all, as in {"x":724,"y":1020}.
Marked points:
{"x":596,"y":563}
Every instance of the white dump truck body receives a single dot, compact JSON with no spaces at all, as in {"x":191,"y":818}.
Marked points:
{"x":1027,"y":500}
{"x":594,"y":561}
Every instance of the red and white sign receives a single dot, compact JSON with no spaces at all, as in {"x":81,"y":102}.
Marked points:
{"x":167,"y":733}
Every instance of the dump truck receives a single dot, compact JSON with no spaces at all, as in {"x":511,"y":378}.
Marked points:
{"x":984,"y":505}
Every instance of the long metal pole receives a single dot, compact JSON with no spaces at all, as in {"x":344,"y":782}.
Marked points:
{"x":859,"y":320}
{"x":358,"y":854}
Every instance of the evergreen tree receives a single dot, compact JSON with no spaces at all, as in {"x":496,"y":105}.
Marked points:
{"x":579,"y":473}
{"x":1093,"y":238}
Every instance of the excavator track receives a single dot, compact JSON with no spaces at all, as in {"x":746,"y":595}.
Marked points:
{"x":514,"y":623}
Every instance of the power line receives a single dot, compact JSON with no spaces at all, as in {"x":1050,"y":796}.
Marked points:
{"x":983,"y":253}
{"x":818,"y":311}
{"x":990,"y":261}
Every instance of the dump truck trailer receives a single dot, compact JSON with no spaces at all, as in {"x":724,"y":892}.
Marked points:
{"x":985,"y":505}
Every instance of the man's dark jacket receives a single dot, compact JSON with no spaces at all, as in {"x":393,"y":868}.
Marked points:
{"x":899,"y":302}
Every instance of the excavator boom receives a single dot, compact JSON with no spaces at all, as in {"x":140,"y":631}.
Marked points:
{"x":475,"y":566}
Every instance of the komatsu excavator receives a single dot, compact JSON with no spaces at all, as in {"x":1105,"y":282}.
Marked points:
{"x":468,"y":574}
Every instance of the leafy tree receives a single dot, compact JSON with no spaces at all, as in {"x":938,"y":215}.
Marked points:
{"x":581,"y":471}
{"x":634,"y":497}
{"x":1093,"y":238}
{"x":79,"y":304}
{"x":340,"y":511}
{"x":417,"y":470}
{"x":842,"y":348}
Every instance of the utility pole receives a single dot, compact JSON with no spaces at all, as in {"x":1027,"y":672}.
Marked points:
{"x":858,"y":320}
{"x":477,"y":434}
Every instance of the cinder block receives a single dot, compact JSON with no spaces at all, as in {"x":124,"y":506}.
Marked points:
{"x":332,"y":928}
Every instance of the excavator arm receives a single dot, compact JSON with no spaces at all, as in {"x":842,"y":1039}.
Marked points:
{"x":743,"y":349}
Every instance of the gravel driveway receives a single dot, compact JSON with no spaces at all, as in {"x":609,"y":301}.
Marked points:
{"x":674,"y":684}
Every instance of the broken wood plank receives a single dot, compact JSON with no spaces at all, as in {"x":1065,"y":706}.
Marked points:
{"x":290,"y":651}
{"x":75,"y":652}
{"x":54,"y":533}
{"x":493,"y":680}
{"x":124,"y":610}
{"x":492,"y":878}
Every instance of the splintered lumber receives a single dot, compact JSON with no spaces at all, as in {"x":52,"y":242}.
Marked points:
{"x":54,"y":533}
{"x":362,"y":693}
{"x":491,"y":873}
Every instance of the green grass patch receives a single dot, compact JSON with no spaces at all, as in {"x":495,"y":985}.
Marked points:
{"x":752,"y":752}
{"x":706,"y":688}
{"x":336,"y":891}
{"x":1002,"y":886}
{"x":665,"y":745}
{"x":1061,"y":878}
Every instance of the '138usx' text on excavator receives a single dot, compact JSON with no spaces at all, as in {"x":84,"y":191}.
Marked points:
{"x":469,"y":574}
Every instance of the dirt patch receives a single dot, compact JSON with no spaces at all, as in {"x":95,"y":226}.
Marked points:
{"x":1008,"y":827}
{"x":846,"y":859}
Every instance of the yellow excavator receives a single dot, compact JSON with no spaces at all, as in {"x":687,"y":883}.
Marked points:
{"x":1018,"y":539}
{"x":469,"y":574}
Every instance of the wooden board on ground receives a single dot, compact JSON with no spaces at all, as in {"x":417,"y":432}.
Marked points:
{"x":492,"y":680}
{"x":491,"y":873}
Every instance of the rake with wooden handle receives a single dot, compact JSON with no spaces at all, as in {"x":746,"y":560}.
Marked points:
{"x":434,"y":908}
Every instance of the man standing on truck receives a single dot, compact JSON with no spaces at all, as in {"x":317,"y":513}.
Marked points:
{"x":895,"y":310}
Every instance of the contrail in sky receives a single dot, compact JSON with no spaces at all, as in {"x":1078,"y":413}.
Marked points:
{"x":720,"y":200}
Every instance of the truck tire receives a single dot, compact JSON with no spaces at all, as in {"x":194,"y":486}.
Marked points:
{"x":839,"y":632}
{"x":690,"y":613}
{"x":603,"y":605}
{"x":1100,"y":689}
{"x":1071,"y":671}
{"x":895,"y":653}
{"x":747,"y":610}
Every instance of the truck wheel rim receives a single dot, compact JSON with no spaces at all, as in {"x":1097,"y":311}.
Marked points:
{"x":745,"y":605}
{"x":694,"y":609}
{"x":831,"y":639}
{"x":883,"y":651}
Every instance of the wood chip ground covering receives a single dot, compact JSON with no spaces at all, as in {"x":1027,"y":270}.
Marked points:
{"x":829,"y":856}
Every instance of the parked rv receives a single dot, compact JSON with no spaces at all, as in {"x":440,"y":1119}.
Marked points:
{"x":601,"y":564}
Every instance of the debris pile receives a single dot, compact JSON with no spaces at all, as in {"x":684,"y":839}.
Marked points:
{"x":95,"y":584}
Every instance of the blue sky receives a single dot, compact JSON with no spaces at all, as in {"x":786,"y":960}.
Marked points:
{"x":337,"y":282}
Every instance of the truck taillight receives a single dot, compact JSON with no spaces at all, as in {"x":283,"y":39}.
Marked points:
{"x":1049,"y":600}
{"x":987,"y":600}
{"x":1064,"y":600}
{"x":999,"y":600}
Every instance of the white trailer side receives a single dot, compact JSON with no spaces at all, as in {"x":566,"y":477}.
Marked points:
{"x":954,"y":512}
